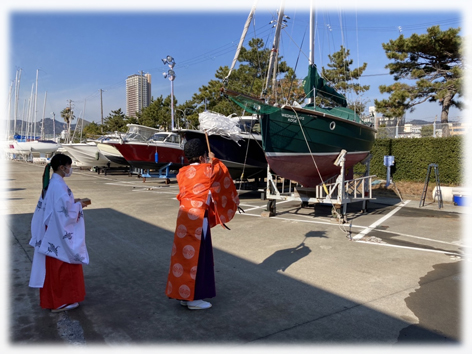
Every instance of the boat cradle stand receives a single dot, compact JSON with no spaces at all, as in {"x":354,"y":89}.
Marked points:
{"x":109,"y":170}
{"x":163,"y":172}
{"x":336,"y":191}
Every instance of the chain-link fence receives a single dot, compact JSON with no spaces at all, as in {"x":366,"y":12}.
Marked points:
{"x":409,"y":130}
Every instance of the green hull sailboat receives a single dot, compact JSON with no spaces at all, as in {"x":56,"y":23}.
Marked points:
{"x":302,"y":143}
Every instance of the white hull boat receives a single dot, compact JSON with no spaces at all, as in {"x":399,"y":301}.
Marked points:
{"x":34,"y":146}
{"x":112,"y":153}
{"x":88,"y":155}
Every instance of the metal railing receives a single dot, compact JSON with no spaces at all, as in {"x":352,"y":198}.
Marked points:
{"x":437,"y":130}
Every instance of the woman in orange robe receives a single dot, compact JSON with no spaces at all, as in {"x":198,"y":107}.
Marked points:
{"x":207,"y":197}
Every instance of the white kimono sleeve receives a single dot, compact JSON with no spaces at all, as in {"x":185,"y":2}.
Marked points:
{"x":64,"y":237}
{"x":38,"y":268}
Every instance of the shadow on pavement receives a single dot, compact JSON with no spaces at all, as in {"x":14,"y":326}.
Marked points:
{"x":126,"y":303}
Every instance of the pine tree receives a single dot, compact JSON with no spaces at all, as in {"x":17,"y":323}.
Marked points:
{"x":342,"y":78}
{"x":434,"y":62}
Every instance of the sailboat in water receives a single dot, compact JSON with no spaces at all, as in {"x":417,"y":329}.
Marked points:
{"x":302,"y":143}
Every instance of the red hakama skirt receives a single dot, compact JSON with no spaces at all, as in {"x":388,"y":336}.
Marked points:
{"x":64,"y":284}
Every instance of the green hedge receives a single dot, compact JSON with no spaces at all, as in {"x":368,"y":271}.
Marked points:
{"x":412,"y":157}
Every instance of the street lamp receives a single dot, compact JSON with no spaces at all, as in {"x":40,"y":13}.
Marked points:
{"x":171,"y":75}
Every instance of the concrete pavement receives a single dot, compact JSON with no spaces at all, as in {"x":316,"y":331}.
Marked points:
{"x":391,"y":277}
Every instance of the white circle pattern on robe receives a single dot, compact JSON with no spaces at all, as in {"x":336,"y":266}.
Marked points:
{"x":181,"y":231}
{"x":193,"y":272}
{"x":188,"y":251}
{"x":196,"y":203}
{"x":193,"y":213}
{"x":169,"y":288}
{"x":208,"y":171}
{"x":230,"y":213}
{"x":191,"y":172}
{"x":224,"y":200}
{"x":184,"y":291}
{"x":227,"y":182}
{"x":198,"y":233}
{"x":223,"y":219}
{"x":181,"y":208}
{"x":198,"y":188}
{"x":177,"y":270}
{"x":174,"y":249}
{"x":216,"y":186}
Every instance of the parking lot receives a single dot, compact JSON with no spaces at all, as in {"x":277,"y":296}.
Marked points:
{"x":392,"y":276}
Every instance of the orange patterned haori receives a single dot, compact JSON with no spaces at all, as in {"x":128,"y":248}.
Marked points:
{"x":195,"y":183}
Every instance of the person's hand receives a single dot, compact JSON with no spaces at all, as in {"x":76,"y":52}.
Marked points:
{"x":84,"y":202}
{"x":211,"y":156}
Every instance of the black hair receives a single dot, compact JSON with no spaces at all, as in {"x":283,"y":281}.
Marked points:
{"x":56,"y":161}
{"x":193,"y":149}
{"x":60,"y":160}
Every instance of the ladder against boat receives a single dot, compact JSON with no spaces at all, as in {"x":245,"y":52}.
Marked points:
{"x":336,"y":191}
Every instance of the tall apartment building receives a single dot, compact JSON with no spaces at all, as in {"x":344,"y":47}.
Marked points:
{"x":138,"y":93}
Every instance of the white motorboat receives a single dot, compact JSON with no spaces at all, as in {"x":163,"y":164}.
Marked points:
{"x":111,"y":152}
{"x":34,"y":146}
{"x":88,"y":155}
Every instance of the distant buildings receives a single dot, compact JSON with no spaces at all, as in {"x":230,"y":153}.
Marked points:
{"x":399,"y":128}
{"x":377,"y":121}
{"x":138,"y":93}
{"x":418,"y":129}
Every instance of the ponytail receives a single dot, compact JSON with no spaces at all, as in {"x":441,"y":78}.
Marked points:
{"x":46,"y":177}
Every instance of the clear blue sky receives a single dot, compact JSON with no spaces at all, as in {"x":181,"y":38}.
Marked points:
{"x":79,"y":52}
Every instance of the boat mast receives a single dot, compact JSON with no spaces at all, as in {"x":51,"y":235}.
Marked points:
{"x":17,"y":94}
{"x":311,"y":59}
{"x":35,"y":105}
{"x":30,"y":114}
{"x":241,"y":41}
{"x":44,"y":113}
{"x":7,"y":135}
{"x":274,"y":51}
{"x":23,"y":120}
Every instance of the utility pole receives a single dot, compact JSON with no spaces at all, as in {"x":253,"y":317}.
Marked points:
{"x":54,"y":125}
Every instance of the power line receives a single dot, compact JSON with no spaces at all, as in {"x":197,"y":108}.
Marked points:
{"x":267,"y":28}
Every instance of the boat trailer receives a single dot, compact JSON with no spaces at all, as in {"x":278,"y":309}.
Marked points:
{"x":336,"y":191}
{"x":163,"y":172}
